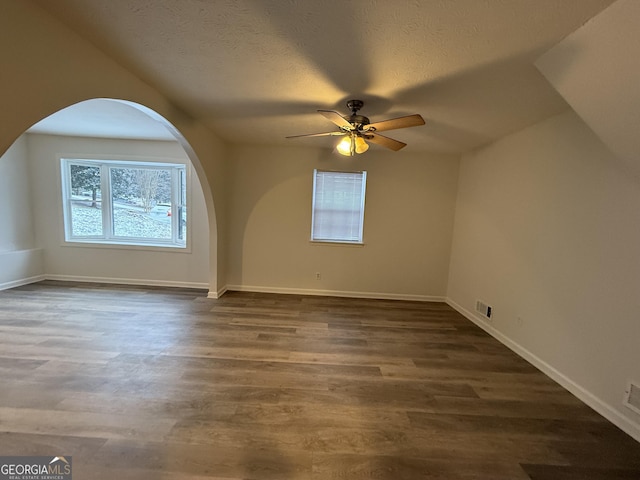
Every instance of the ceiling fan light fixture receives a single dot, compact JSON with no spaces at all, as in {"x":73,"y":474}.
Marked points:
{"x":352,"y":144}
{"x":346,"y":146}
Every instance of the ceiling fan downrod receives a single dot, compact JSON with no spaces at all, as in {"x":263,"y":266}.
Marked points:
{"x":358,"y":121}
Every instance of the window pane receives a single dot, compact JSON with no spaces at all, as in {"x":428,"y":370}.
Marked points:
{"x":141,"y":203}
{"x":338,"y":209}
{"x":86,"y":218}
{"x":86,"y":201}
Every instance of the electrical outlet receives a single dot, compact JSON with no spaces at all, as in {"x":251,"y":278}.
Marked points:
{"x":317,"y":275}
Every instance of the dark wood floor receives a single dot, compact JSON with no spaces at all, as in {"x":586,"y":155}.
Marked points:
{"x":140,"y":383}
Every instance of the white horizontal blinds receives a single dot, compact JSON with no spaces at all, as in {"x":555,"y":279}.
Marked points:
{"x":338,"y":206}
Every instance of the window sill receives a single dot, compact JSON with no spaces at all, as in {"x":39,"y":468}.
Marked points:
{"x":335,"y":243}
{"x":124,"y":246}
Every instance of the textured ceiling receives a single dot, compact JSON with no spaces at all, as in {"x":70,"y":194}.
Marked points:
{"x":257,"y":70}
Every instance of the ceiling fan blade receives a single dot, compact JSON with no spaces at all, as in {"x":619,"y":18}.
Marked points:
{"x":400,"y":122}
{"x":387,"y":142}
{"x":326,"y":134}
{"x":336,"y":118}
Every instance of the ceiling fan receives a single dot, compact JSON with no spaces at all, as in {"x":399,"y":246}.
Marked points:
{"x":357,"y":129}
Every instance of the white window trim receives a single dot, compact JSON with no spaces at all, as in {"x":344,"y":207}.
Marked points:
{"x":110,"y":241}
{"x":320,"y":241}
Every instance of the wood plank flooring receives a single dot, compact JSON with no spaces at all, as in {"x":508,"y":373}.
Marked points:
{"x":152,"y":383}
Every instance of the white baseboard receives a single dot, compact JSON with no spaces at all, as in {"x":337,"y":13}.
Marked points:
{"x":218,"y":294}
{"x":22,"y":281}
{"x":127,"y":281}
{"x":603,"y":408}
{"x":333,"y":293}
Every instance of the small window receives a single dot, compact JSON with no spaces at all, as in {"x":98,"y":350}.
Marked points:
{"x":338,"y":206}
{"x":132,"y":203}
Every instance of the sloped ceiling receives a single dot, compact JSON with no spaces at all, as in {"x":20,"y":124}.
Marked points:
{"x":257,"y":70}
{"x":104,"y":119}
{"x":596,"y":69}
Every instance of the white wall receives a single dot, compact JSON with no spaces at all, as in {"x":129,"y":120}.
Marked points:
{"x":408,"y":224}
{"x":19,"y":259}
{"x":16,"y":222}
{"x":111,"y":263}
{"x":547,"y":231}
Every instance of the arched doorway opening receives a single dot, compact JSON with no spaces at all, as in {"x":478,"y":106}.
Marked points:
{"x":35,"y":245}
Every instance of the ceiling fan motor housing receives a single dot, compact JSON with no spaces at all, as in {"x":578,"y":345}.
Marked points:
{"x":358,"y":121}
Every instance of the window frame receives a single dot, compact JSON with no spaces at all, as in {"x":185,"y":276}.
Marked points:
{"x":319,"y":240}
{"x":108,"y":238}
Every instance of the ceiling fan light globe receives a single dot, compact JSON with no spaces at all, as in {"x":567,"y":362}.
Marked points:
{"x":361,"y":145}
{"x":344,"y":146}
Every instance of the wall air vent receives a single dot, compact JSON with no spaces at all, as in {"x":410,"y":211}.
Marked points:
{"x":632,"y":397}
{"x":483,"y":308}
